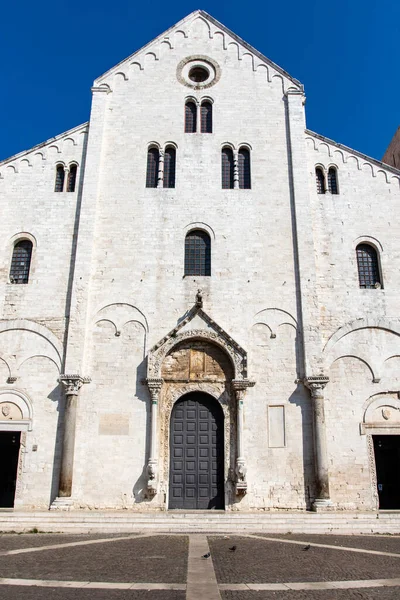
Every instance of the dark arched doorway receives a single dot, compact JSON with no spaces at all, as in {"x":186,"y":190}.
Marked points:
{"x":196,"y":477}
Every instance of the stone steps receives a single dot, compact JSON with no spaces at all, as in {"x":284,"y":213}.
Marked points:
{"x":79,"y":521}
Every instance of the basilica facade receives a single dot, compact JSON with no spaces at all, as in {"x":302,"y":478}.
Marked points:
{"x":199,"y":297}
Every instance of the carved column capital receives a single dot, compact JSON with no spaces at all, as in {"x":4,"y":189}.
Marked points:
{"x":73,"y":383}
{"x":154,"y":384}
{"x":241,"y":385}
{"x":316,"y":385}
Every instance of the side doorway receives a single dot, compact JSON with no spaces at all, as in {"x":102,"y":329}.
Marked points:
{"x":387,"y":461}
{"x":10,"y":442}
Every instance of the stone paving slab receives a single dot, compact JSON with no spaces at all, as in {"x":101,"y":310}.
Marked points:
{"x":148,"y":559}
{"x":359,"y":594}
{"x":37,"y":593}
{"x":14,"y":541}
{"x":390,"y":543}
{"x":259,"y":561}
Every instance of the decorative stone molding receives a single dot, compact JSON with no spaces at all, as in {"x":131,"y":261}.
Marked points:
{"x":73,"y":383}
{"x":372,"y":472}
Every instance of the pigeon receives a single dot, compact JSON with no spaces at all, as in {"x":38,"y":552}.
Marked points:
{"x":232,"y":549}
{"x":307,"y":547}
{"x":206,"y":555}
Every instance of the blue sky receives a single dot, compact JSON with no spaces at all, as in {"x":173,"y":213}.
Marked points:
{"x":346,"y":53}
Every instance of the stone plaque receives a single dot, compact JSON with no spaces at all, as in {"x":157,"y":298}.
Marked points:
{"x":113,"y":424}
{"x":197,"y":364}
{"x":276,"y":426}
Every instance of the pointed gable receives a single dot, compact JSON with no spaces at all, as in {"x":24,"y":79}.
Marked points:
{"x":197,"y":26}
{"x":198,"y":325}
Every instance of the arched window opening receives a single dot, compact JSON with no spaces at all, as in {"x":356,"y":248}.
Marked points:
{"x":368,"y":266}
{"x":320,"y":180}
{"x":197,"y":253}
{"x":60,"y":175}
{"x":206,"y":117}
{"x":190,"y":117}
{"x":332,"y":181}
{"x":153,"y":159}
{"x":227,"y":168}
{"x":21,"y":262}
{"x":72,"y":178}
{"x":244,"y":169}
{"x":169,"y":167}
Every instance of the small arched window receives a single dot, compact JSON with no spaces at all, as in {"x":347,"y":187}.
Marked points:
{"x":197,"y":253}
{"x":320,"y":180}
{"x":21,"y":262}
{"x":244,"y":169}
{"x":153,"y":159}
{"x":227,"y":168}
{"x":71,"y":182}
{"x":206,"y":117}
{"x":169,"y":167}
{"x":332,"y":181}
{"x":368,"y":266}
{"x":190,"y":117}
{"x":60,"y":175}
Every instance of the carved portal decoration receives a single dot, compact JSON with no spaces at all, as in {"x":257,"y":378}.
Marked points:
{"x":197,"y":356}
{"x":372,"y":472}
{"x":382,"y":414}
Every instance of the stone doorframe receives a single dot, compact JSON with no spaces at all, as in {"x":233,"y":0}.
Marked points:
{"x":230,"y":395}
{"x":381,"y":417}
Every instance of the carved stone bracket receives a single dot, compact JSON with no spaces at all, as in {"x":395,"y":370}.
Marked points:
{"x":154,"y":384}
{"x":73,"y":383}
{"x":240,"y":386}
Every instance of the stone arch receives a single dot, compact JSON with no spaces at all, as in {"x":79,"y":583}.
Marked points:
{"x":18,"y":418}
{"x":157,"y":357}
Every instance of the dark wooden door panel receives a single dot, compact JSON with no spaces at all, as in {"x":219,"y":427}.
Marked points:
{"x":197,"y":453}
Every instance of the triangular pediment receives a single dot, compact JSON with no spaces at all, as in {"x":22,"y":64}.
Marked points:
{"x":197,"y":23}
{"x":197,"y":325}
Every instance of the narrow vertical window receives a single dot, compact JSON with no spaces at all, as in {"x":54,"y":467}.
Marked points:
{"x":227,"y":168}
{"x":206,"y":117}
{"x":197,"y":253}
{"x":153,"y":159}
{"x":244,"y":169}
{"x":71,"y":178}
{"x":332,"y":181}
{"x":21,"y":262}
{"x":320,"y":180}
{"x":59,"y":185}
{"x":368,"y":266}
{"x":169,"y":167}
{"x":190,"y":117}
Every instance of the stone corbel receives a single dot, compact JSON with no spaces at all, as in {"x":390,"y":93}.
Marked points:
{"x":239,"y":386}
{"x":154,"y":385}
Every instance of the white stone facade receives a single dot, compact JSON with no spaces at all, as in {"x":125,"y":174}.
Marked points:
{"x":107,"y":300}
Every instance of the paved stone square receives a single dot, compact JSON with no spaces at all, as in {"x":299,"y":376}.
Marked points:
{"x":146,"y":566}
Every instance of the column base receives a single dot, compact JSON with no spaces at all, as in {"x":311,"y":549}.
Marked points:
{"x":62,"y":503}
{"x":322,"y":505}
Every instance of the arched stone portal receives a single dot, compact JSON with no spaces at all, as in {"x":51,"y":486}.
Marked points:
{"x":196,"y":473}
{"x":197,"y":357}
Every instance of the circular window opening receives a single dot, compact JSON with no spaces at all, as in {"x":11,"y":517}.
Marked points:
{"x":198,"y":74}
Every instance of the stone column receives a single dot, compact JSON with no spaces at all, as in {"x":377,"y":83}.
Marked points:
{"x":154,"y":386}
{"x":72,"y":384}
{"x":240,"y":386}
{"x":316,"y":386}
{"x":160,"y":174}
{"x":235,"y":170}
